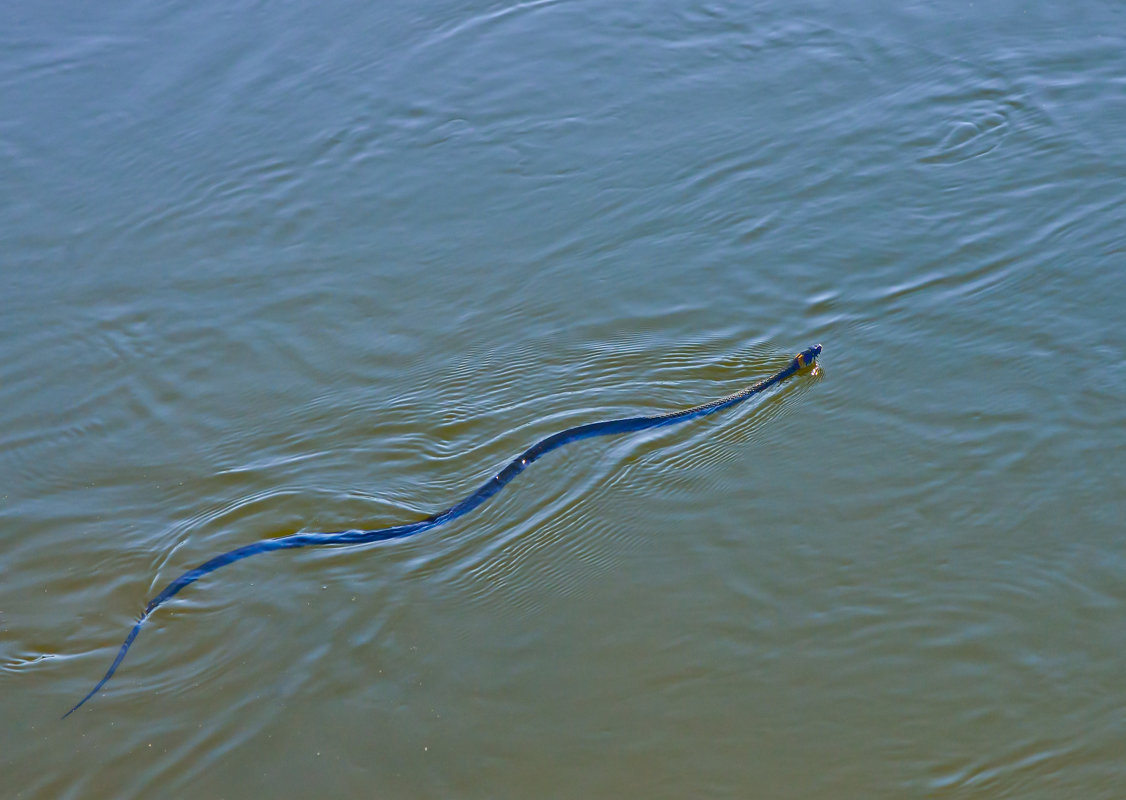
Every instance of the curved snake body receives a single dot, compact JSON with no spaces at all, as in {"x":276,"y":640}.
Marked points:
{"x":484,"y":492}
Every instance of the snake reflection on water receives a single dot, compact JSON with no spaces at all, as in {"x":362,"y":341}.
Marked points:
{"x":804,"y":359}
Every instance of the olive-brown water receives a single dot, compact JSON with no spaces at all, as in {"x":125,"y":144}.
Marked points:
{"x":268,"y":268}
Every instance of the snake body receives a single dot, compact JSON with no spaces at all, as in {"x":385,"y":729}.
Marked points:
{"x":493,"y":485}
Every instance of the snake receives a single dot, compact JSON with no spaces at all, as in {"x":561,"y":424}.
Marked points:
{"x":804,"y":359}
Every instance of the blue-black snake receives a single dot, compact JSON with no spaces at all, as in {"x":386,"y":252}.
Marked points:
{"x":626,"y":425}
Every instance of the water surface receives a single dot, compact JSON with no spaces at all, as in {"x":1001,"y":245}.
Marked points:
{"x":276,"y":268}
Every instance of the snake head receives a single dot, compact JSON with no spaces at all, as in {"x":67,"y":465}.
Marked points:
{"x":808,"y":356}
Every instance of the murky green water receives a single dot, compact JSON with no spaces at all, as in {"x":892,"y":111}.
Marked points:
{"x":268,"y":268}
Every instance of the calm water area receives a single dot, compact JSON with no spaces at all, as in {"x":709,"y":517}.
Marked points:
{"x":269,"y":268}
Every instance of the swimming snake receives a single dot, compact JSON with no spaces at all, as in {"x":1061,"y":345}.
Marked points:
{"x":493,"y":485}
